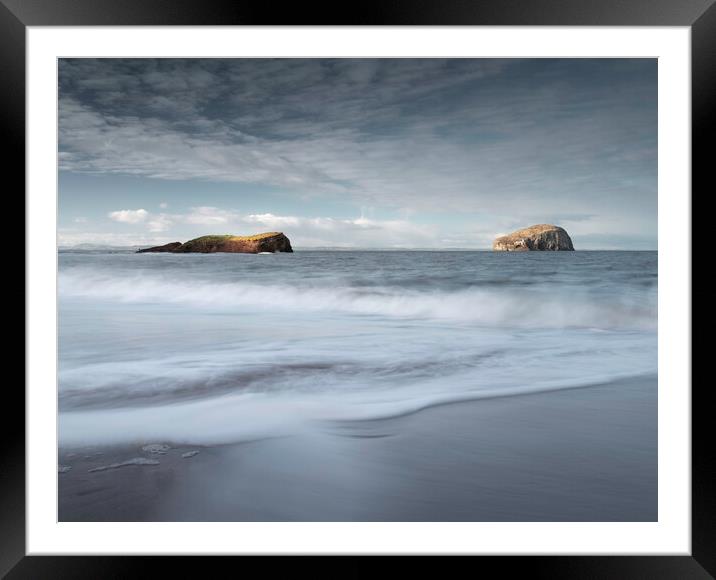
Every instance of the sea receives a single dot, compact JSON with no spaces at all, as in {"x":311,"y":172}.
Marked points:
{"x":210,"y":349}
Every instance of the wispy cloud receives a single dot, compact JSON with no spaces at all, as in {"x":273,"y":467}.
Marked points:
{"x":128,"y":216}
{"x":521,"y":141}
{"x":68,"y":237}
{"x":160,"y":223}
{"x":304,"y":231}
{"x":208,"y":216}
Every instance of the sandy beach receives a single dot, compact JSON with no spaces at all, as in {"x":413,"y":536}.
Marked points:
{"x":587,"y":454}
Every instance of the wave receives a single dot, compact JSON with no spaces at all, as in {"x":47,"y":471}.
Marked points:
{"x":247,"y":417}
{"x":543,"y":307}
{"x":159,"y":382}
{"x":219,"y":351}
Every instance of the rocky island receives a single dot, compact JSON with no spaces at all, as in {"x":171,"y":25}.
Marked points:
{"x":538,"y":237}
{"x":255,"y":244}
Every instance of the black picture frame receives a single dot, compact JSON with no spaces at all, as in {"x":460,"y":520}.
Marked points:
{"x":699,"y":15}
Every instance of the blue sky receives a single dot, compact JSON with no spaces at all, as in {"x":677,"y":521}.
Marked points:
{"x":358,"y":153}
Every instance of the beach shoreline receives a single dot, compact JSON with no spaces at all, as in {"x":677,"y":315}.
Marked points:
{"x":583,"y":454}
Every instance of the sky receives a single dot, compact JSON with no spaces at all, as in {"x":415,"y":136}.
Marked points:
{"x":365,"y":153}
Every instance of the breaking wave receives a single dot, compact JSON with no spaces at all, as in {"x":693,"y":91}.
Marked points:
{"x":533,"y":307}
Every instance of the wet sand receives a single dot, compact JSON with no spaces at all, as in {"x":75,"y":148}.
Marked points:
{"x":587,"y":454}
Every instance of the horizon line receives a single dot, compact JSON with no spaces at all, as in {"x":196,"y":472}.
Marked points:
{"x":100,"y":246}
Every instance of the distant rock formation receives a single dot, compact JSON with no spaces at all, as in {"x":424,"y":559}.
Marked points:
{"x":165,"y":248}
{"x":539,"y":237}
{"x":266,"y":242}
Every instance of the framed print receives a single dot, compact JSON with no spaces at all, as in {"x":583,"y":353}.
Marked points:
{"x":388,"y":289}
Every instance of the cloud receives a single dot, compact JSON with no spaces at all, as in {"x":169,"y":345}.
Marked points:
{"x":272,"y":221}
{"x":398,"y":132}
{"x":208,"y":216}
{"x":358,"y":232}
{"x":67,"y":237}
{"x":303,"y":231}
{"x":80,"y":220}
{"x":519,"y":140}
{"x":160,"y":223}
{"x":129,"y":216}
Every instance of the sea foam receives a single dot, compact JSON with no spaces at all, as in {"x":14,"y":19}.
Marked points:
{"x":545,"y":307}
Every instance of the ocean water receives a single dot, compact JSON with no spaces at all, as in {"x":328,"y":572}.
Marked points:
{"x":221,"y":348}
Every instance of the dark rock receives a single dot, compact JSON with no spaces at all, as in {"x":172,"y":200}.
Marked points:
{"x":266,"y":242}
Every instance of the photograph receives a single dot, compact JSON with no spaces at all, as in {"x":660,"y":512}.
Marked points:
{"x":416,"y":282}
{"x":357,"y":289}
